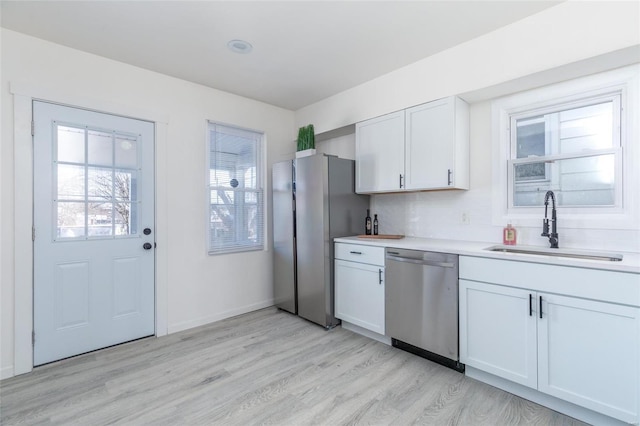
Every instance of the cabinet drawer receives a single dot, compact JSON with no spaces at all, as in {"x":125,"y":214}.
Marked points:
{"x":606,"y":286}
{"x":360,"y":253}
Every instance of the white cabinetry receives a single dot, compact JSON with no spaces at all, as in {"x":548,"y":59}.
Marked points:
{"x":437,"y":145}
{"x":359,"y":285}
{"x":539,"y":326}
{"x":588,"y":354}
{"x":380,"y":153}
{"x":495,"y":334}
{"x":420,"y":148}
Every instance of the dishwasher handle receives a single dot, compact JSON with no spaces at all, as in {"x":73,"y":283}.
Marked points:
{"x":421,"y":261}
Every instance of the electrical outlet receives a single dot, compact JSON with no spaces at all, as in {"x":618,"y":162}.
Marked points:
{"x":466,"y":218}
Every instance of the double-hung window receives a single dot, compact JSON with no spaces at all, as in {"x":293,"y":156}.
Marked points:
{"x":573,"y":149}
{"x":577,"y":138}
{"x":235,"y":189}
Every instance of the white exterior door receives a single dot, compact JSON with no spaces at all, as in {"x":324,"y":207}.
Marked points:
{"x":94,"y":231}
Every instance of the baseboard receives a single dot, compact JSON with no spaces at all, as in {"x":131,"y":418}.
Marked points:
{"x":185,"y":325}
{"x":368,"y":333}
{"x":6,"y":372}
{"x":564,"y":407}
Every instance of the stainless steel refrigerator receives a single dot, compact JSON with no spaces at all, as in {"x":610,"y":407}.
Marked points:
{"x":314,"y":201}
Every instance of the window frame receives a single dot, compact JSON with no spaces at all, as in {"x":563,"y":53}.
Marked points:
{"x":87,"y":199}
{"x":260,"y":177}
{"x":513,"y":148}
{"x":626,"y":214}
{"x":615,"y":97}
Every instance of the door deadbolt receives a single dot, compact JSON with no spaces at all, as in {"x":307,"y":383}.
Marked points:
{"x":146,"y":231}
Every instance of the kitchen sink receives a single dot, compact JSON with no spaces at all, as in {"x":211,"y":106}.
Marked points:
{"x":575,"y":254}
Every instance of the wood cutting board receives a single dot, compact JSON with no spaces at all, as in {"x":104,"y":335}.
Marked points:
{"x":382,"y":236}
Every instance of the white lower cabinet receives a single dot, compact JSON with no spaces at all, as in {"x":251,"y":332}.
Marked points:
{"x":359,"y":287}
{"x":496,"y":334}
{"x":588,"y":354}
{"x":582,"y":351}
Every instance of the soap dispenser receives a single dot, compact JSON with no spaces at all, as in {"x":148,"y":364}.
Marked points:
{"x":509,"y":235}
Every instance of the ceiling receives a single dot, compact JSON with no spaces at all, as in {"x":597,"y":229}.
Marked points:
{"x":303,"y":51}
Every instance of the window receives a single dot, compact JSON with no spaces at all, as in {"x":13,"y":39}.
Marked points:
{"x":572,"y":149}
{"x":578,"y":138}
{"x":235,"y":190}
{"x":96,"y":183}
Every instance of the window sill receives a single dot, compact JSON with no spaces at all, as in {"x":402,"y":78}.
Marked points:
{"x":235,"y":251}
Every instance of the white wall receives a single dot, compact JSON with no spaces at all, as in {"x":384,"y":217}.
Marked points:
{"x":564,"y":34}
{"x":341,"y":146}
{"x":200,"y":288}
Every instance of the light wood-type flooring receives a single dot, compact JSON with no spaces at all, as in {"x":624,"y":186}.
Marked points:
{"x":264,"y":367}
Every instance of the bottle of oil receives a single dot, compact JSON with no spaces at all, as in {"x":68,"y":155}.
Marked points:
{"x":375,"y":224}
{"x":367,"y":224}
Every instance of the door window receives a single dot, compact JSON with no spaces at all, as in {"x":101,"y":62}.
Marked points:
{"x":96,"y":178}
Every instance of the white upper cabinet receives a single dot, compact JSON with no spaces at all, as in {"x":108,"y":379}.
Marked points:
{"x":420,"y":148}
{"x":437,"y":145}
{"x":380,"y":153}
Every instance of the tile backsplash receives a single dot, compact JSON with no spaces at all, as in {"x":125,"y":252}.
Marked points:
{"x":442,"y":215}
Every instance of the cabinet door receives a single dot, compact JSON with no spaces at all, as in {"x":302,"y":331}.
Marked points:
{"x":498,"y":331}
{"x":360,"y":294}
{"x":588,"y":354}
{"x":380,"y":154}
{"x":429,"y":149}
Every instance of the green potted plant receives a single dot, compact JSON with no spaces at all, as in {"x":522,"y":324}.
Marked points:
{"x":306,"y":142}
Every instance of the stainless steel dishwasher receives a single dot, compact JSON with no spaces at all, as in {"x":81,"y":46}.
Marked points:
{"x":421,"y":304}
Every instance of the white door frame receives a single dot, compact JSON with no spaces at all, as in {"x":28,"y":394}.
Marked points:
{"x":23,"y":97}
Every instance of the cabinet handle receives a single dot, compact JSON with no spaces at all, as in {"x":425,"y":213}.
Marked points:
{"x":400,"y":180}
{"x":379,"y":276}
{"x":355,"y":252}
{"x":540,"y":306}
{"x":449,"y":173}
{"x":530,"y":304}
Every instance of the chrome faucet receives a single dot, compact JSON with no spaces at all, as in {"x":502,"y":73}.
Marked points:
{"x":553,"y":236}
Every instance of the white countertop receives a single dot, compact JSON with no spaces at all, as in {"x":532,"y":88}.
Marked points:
{"x":630,"y":261}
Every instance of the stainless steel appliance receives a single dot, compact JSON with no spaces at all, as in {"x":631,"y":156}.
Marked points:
{"x":284,"y":243}
{"x":421,"y":304}
{"x":314,"y":201}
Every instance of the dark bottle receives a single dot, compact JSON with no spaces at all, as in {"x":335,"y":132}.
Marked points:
{"x":367,"y":224}
{"x":375,"y":224}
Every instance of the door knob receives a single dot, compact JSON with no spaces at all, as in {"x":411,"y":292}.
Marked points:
{"x":146,"y":246}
